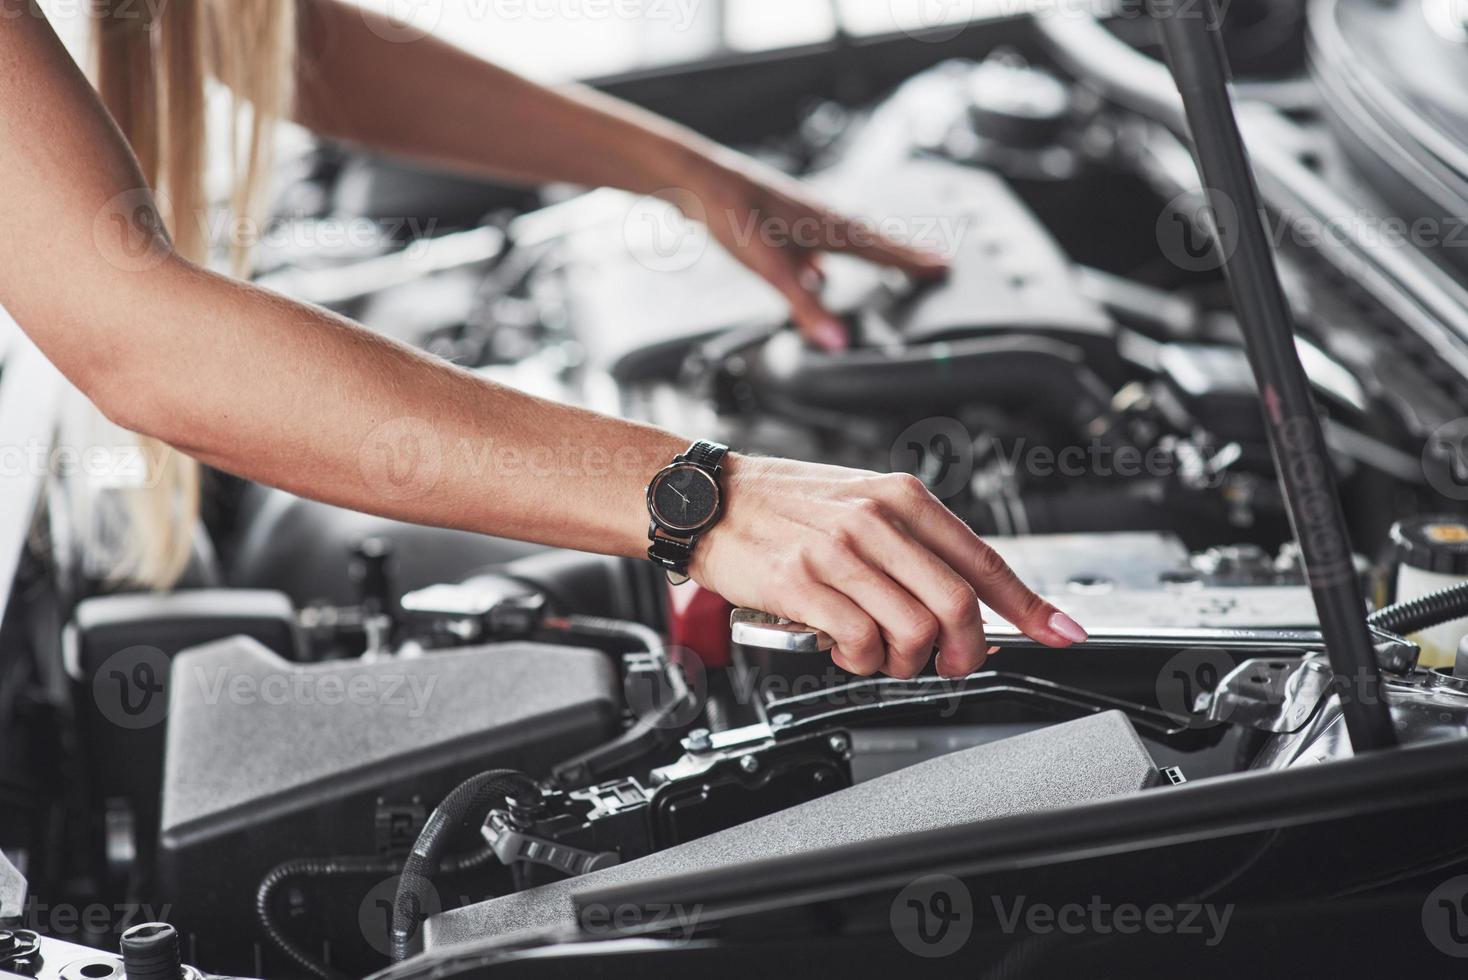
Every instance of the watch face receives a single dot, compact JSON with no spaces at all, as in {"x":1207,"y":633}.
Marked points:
{"x":683,"y":497}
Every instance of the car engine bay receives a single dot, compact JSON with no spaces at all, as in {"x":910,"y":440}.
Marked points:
{"x":345,"y":724}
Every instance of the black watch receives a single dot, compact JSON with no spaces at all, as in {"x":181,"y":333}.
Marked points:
{"x":684,"y":500}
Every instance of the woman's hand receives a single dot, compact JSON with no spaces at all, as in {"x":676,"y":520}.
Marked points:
{"x":774,"y":225}
{"x":875,"y":561}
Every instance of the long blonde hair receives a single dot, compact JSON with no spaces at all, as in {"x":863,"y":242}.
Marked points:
{"x":151,"y":65}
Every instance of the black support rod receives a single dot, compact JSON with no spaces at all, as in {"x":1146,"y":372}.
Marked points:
{"x":1191,"y":38}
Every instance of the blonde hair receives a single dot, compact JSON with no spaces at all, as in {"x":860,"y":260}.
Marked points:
{"x":151,"y":66}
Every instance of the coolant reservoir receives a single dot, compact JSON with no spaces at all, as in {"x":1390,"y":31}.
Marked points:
{"x":1431,"y":553}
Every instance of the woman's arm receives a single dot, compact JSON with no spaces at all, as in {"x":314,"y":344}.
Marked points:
{"x":298,"y":398}
{"x":426,"y":100}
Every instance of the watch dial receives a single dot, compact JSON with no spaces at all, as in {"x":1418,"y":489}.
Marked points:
{"x":685,"y":497}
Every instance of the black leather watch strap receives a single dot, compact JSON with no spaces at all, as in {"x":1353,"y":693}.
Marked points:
{"x":671,"y":554}
{"x":709,"y":455}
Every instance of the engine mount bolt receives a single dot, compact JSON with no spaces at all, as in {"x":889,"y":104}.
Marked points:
{"x":839,"y":744}
{"x":699,"y":740}
{"x":749,"y":763}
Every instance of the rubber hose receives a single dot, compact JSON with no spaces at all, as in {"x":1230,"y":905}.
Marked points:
{"x":1433,"y":609}
{"x":469,"y":801}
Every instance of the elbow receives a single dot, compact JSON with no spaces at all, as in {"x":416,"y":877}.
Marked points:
{"x":131,"y":406}
{"x":127,"y":391}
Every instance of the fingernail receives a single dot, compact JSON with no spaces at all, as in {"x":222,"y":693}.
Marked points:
{"x":991,"y":651}
{"x":1065,"y":626}
{"x":830,"y":335}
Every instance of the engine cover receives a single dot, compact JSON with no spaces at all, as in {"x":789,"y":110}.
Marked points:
{"x":268,"y":760}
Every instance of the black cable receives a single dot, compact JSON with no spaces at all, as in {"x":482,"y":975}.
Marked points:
{"x":325,"y":867}
{"x":308,"y":868}
{"x":1433,"y":609}
{"x":469,"y":801}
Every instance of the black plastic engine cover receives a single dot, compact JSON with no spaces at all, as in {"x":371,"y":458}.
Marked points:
{"x":1069,"y":764}
{"x":268,"y":760}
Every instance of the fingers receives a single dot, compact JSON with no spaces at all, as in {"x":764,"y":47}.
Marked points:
{"x":798,"y":280}
{"x":908,"y":630}
{"x":948,"y":599}
{"x":859,"y":648}
{"x":862,"y":240}
{"x":993,"y":580}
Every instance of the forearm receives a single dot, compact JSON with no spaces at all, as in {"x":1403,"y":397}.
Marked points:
{"x":431,"y":102}
{"x":295,"y":397}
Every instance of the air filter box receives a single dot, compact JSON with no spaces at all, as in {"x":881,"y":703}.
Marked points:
{"x":269,"y":760}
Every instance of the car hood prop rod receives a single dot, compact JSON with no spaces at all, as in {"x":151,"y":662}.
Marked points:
{"x":1191,"y":34}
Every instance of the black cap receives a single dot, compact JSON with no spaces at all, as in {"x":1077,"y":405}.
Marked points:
{"x":1433,"y":543}
{"x":150,"y":952}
